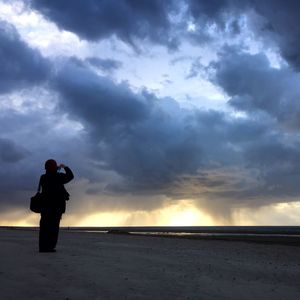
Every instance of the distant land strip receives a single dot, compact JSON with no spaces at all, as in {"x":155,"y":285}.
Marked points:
{"x":270,"y":230}
{"x":283,"y":235}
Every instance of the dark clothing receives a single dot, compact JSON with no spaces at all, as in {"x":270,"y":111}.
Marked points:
{"x":49,"y":228}
{"x":54,"y":192}
{"x":54,"y":205}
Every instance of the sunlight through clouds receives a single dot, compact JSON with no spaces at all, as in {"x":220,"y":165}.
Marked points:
{"x":183,"y":213}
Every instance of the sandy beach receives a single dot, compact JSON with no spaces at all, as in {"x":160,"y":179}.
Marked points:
{"x":113,"y":266}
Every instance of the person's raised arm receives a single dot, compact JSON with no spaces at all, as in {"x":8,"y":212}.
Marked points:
{"x":68,"y":176}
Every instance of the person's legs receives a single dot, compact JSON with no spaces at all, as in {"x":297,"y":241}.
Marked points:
{"x":49,"y":228}
{"x":55,"y":220}
{"x":45,"y":229}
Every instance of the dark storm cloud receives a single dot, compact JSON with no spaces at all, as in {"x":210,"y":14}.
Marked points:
{"x":214,"y":19}
{"x":215,"y":10}
{"x":132,"y":20}
{"x":127,"y":19}
{"x":21,"y":66}
{"x":268,"y":96}
{"x":138,"y":135}
{"x":97,"y":99}
{"x":29,"y":139}
{"x":254,"y":85}
{"x":278,"y":162}
{"x":281,"y":18}
{"x":279,"y":22}
{"x":154,"y":144}
{"x":159,"y":148}
{"x":10,"y":152}
{"x":161,"y":22}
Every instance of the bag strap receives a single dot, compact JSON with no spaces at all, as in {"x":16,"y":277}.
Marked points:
{"x":39,"y":187}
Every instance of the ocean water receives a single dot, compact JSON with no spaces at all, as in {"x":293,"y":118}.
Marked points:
{"x":287,"y":235}
{"x":195,"y":230}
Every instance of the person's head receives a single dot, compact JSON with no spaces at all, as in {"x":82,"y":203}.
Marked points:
{"x":51,"y":166}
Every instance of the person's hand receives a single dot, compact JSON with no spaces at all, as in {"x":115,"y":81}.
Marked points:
{"x":62,"y":166}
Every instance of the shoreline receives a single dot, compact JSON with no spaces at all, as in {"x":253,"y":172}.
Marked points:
{"x":291,"y":239}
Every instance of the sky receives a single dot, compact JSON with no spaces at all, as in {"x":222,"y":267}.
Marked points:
{"x":175,"y":112}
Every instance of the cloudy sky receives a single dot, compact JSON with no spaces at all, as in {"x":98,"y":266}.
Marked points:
{"x":174,"y":112}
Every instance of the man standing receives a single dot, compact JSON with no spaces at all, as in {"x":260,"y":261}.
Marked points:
{"x":54,"y":197}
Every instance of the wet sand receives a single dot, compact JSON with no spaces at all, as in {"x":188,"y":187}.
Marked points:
{"x":116,"y":266}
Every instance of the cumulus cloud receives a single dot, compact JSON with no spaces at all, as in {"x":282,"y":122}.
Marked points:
{"x":217,"y":12}
{"x":136,"y":130}
{"x":21,"y":66}
{"x":27,"y":141}
{"x":269,"y":95}
{"x":158,"y":147}
{"x":10,"y":152}
{"x":156,"y":21}
{"x":277,"y":25}
{"x":254,"y":85}
{"x":128,"y":20}
{"x":280,"y":24}
{"x":96,"y":99}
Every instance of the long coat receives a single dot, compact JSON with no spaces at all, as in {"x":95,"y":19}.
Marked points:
{"x":54,"y":192}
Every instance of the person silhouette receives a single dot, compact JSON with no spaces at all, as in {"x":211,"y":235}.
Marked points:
{"x":54,"y":197}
